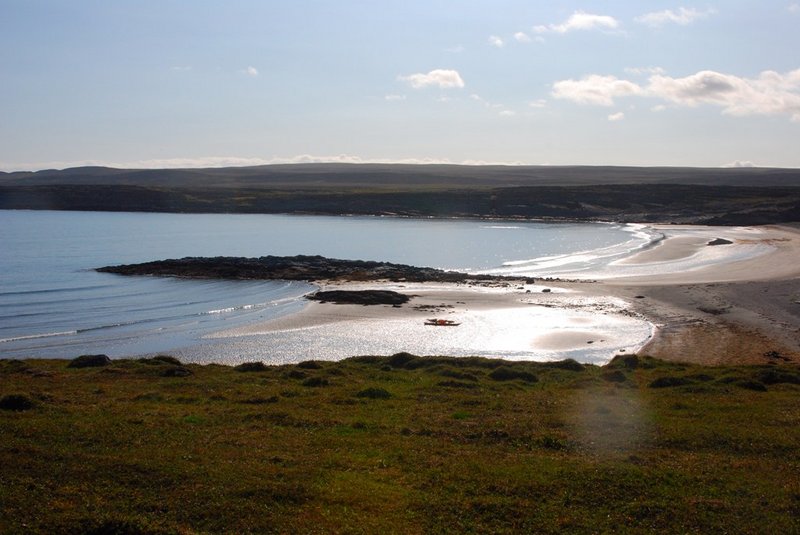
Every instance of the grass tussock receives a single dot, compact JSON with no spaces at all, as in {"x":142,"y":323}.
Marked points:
{"x":404,"y":444}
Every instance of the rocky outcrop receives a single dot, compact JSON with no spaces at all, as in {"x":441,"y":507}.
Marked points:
{"x":360,"y":297}
{"x":305,"y":268}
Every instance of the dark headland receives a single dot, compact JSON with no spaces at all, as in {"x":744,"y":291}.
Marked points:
{"x":296,"y":268}
{"x":712,"y":196}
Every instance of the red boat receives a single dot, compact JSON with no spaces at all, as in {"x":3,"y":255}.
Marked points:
{"x":441,"y":323}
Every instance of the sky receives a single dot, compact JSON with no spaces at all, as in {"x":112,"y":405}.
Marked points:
{"x":195,"y":83}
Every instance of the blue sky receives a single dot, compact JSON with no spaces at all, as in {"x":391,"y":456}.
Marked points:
{"x":193,"y":83}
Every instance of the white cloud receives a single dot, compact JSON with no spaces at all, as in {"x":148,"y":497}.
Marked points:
{"x":392,"y":98}
{"x":458,"y":49}
{"x":539,"y":103}
{"x":644,"y":70}
{"x":682,"y":16}
{"x":614,"y":117}
{"x":522,"y":37}
{"x":496,"y":41}
{"x":772,"y":93}
{"x":595,"y":89}
{"x":251,"y":71}
{"x":739,"y":163}
{"x":580,"y":20}
{"x":441,"y":78}
{"x":794,"y":8}
{"x":507,"y":113}
{"x":658,"y":108}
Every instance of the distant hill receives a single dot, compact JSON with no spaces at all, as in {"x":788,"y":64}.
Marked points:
{"x":643,"y":194}
{"x":393,"y":175}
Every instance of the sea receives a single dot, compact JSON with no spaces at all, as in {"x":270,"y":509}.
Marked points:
{"x":53,"y":304}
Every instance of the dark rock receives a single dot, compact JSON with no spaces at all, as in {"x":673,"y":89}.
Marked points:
{"x":89,"y":361}
{"x":301,"y":267}
{"x":719,"y":241}
{"x":360,"y":297}
{"x":16,"y":402}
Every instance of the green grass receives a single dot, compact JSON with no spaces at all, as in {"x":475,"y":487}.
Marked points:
{"x":398,"y":445}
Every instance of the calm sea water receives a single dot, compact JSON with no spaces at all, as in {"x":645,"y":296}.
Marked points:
{"x":52,"y":303}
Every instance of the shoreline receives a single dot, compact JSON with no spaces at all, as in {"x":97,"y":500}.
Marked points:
{"x":740,"y":308}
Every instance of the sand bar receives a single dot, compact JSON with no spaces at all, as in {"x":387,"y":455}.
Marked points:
{"x":737,"y":302}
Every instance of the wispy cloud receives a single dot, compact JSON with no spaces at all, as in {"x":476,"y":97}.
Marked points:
{"x":794,"y":8}
{"x":522,"y":37}
{"x":614,"y":117}
{"x":441,"y":78}
{"x":181,"y":68}
{"x":682,"y":16}
{"x":539,"y":103}
{"x":595,"y":89}
{"x":251,"y":71}
{"x":496,"y":41}
{"x":771,"y":93}
{"x":393,"y":98}
{"x":580,"y":20}
{"x":457,"y":49}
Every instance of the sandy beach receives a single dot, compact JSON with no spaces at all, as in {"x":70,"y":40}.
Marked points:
{"x":682,"y":299}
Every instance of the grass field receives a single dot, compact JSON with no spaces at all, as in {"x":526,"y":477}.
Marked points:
{"x":398,"y":444}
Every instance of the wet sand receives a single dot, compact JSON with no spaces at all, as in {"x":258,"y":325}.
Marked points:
{"x":738,"y":302}
{"x":745,"y":311}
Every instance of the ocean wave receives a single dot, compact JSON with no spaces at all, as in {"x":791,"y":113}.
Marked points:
{"x":35,"y":336}
{"x":587,"y":262}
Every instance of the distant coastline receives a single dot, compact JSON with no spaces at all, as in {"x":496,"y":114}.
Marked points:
{"x":621,"y":194}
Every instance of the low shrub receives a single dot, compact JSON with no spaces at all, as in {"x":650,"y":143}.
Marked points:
{"x":316,"y":382}
{"x":251,"y":367}
{"x":457,"y":384}
{"x":667,"y":382}
{"x":614,"y":376}
{"x":89,"y":361}
{"x":752,"y":385}
{"x":16,"y":402}
{"x":400,"y":360}
{"x":567,"y":364}
{"x":774,"y":377}
{"x":505,"y":373}
{"x":177,"y":371}
{"x":309,"y":365}
{"x":374,"y":393}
